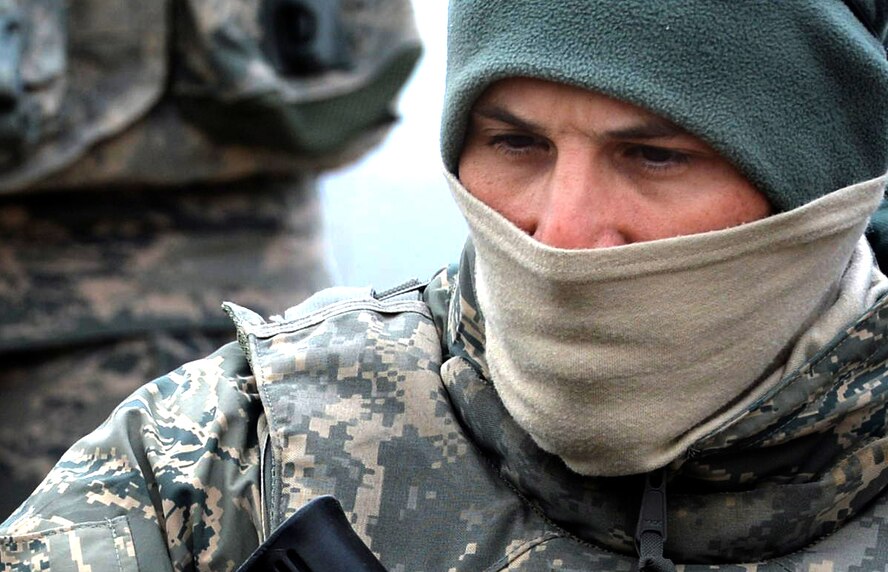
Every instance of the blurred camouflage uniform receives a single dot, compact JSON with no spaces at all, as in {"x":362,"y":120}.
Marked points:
{"x":383,"y":401}
{"x":156,"y":158}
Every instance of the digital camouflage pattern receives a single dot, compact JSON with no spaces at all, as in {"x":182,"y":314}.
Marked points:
{"x":126,"y":216}
{"x":384,"y":404}
{"x":157,"y":466}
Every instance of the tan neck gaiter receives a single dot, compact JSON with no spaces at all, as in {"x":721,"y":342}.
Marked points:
{"x":617,"y":359}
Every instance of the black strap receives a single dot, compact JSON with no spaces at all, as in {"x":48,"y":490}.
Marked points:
{"x":650,"y":533}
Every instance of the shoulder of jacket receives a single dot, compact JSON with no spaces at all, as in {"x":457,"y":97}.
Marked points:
{"x":327,"y":303}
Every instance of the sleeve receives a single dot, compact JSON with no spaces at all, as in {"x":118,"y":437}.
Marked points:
{"x":168,"y":482}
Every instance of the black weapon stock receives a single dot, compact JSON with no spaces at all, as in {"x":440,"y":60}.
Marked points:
{"x":318,"y":538}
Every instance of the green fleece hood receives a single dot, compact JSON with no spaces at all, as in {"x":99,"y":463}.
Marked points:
{"x":792,"y":92}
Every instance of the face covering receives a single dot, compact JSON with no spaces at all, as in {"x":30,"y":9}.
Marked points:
{"x":618,"y":359}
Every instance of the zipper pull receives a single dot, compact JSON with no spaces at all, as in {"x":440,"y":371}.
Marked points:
{"x":650,"y":532}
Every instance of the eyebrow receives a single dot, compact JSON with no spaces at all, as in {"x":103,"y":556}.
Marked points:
{"x":651,"y":127}
{"x":497,"y":113}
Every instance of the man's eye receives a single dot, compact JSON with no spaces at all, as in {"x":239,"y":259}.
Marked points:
{"x":517,"y":144}
{"x":657,"y":156}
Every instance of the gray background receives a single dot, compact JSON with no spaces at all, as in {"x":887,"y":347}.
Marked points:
{"x":390,"y":217}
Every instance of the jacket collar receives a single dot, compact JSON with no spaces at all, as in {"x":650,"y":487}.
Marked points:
{"x":799,"y":462}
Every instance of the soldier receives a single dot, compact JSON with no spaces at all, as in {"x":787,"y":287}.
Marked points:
{"x":156,"y":158}
{"x":667,"y":286}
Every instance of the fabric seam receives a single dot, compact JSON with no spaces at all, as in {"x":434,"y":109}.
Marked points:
{"x":114,"y":543}
{"x":61,"y":530}
{"x":338,"y":308}
{"x":817,"y":395}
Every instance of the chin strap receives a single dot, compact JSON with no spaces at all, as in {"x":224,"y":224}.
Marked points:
{"x":650,"y":533}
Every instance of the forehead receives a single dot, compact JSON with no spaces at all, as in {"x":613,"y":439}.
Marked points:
{"x":529,"y":88}
{"x":545,"y":104}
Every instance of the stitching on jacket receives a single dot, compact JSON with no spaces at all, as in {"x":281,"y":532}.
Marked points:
{"x":262,"y":383}
{"x":383,"y":307}
{"x":60,"y":530}
{"x":114,"y":543}
{"x":516,"y":552}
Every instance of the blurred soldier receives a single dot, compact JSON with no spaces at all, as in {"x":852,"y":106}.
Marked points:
{"x":157,"y":158}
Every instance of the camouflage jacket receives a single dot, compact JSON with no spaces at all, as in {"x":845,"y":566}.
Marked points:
{"x":383,"y":402}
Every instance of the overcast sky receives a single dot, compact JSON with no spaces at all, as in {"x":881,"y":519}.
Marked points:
{"x":390,"y":217}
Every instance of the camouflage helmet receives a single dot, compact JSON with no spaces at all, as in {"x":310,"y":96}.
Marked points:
{"x":102,"y":92}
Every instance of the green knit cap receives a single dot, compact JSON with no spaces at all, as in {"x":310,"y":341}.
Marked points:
{"x":793,"y":92}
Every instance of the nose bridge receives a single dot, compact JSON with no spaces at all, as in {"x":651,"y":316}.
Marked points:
{"x":581,"y":210}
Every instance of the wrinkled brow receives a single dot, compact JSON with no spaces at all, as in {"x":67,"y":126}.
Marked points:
{"x":648,"y":127}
